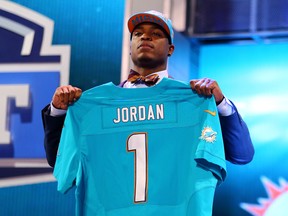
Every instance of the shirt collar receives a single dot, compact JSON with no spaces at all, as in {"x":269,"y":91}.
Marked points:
{"x":162,"y":74}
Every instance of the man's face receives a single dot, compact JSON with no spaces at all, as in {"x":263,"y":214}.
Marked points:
{"x":150,"y":45}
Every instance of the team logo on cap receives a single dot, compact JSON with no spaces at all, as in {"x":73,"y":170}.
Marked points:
{"x":153,"y":17}
{"x":208,"y":135}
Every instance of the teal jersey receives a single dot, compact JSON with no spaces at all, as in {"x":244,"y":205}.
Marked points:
{"x":142,"y":152}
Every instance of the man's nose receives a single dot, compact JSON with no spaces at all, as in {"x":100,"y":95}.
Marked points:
{"x":146,"y":36}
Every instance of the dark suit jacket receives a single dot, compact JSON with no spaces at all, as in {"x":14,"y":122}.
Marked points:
{"x":237,"y":142}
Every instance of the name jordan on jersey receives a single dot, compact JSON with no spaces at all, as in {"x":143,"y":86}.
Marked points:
{"x":139,"y":113}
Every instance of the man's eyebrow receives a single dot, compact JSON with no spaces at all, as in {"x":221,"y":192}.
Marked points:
{"x":138,"y":28}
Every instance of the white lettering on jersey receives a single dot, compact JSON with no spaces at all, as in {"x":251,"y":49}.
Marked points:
{"x":140,"y":113}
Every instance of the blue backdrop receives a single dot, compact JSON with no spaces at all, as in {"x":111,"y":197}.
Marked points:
{"x":94,"y":29}
{"x":254,"y":77}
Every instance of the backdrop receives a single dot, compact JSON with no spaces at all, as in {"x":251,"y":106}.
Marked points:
{"x":254,"y":77}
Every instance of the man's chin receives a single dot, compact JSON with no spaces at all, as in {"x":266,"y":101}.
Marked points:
{"x":145,"y":57}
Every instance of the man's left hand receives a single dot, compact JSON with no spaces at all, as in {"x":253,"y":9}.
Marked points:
{"x":207,"y":87}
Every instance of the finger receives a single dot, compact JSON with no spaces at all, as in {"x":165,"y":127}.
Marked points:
{"x":192,"y":84}
{"x":199,"y":87}
{"x":65,"y":95}
{"x":57,"y":98}
{"x":75,"y":94}
{"x":71,"y":94}
{"x":203,"y":87}
{"x":78,"y":93}
{"x":208,"y":88}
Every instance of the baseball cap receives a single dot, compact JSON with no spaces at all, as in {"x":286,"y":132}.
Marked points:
{"x":152,"y":16}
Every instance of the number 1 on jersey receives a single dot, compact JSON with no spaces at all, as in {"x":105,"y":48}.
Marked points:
{"x":137,"y":143}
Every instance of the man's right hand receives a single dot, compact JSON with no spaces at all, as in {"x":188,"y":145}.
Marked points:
{"x":65,"y":95}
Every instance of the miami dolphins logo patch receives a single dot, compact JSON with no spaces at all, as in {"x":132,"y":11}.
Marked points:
{"x":208,"y":135}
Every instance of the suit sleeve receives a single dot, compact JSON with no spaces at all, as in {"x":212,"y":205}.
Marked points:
{"x":237,"y":141}
{"x":52,"y":133}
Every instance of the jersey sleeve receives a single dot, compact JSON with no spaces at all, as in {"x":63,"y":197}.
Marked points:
{"x":68,"y":155}
{"x":210,"y":151}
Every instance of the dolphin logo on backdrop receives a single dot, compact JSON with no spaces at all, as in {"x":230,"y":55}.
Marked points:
{"x":274,"y":204}
{"x":31,"y":68}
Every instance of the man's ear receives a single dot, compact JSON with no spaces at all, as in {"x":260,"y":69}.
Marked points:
{"x":130,"y":49}
{"x":171,"y":49}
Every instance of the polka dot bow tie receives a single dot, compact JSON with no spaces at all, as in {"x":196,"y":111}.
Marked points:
{"x":136,"y":78}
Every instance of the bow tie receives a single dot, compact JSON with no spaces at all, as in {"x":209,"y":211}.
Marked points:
{"x":136,"y":78}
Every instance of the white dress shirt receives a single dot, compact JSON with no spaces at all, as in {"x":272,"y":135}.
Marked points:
{"x":225,"y":108}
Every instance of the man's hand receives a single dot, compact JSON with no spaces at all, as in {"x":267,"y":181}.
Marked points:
{"x":207,"y":87}
{"x":65,"y":95}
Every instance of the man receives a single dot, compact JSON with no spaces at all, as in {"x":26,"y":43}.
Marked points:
{"x":151,"y":45}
